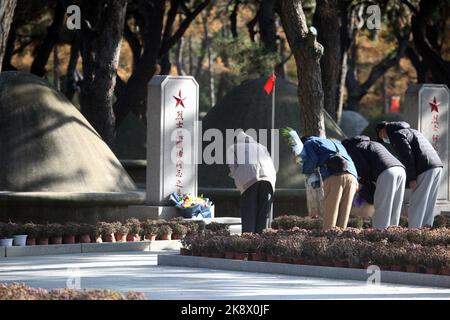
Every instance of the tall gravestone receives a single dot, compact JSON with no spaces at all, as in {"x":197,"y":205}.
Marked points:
{"x":427,"y":110}
{"x":172,"y":144}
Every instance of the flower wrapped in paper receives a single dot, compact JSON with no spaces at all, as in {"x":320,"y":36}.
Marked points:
{"x":192,"y":206}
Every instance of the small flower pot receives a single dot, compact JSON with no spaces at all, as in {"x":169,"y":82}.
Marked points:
{"x":284,"y":260}
{"x":300,"y":261}
{"x":229,"y":255}
{"x":431,"y":270}
{"x":20,"y":240}
{"x":68,"y":240}
{"x":256,"y":257}
{"x":340,"y":264}
{"x":185,"y":252}
{"x":177,"y":236}
{"x":120,"y":237}
{"x":397,"y":268}
{"x":85,"y":238}
{"x":166,"y":236}
{"x":151,"y":237}
{"x":133,"y":237}
{"x":42,"y":241}
{"x":444,"y":271}
{"x":411,"y":268}
{"x":109,"y":238}
{"x":31,"y":241}
{"x":366,"y":265}
{"x":6,"y":242}
{"x":55,"y":240}
{"x":240,"y":256}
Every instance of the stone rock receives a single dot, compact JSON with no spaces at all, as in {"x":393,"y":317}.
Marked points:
{"x":46,"y":145}
{"x":353,"y":123}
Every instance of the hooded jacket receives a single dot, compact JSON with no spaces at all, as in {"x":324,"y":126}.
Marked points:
{"x":371,"y":159}
{"x":249,"y":162}
{"x":316,"y":152}
{"x":413,"y":149}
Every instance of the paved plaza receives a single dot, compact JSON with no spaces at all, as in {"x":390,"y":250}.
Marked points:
{"x":138,"y":271}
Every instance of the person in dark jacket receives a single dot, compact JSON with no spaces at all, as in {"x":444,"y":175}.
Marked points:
{"x":339,"y":188}
{"x":423,"y":169}
{"x":382,"y":178}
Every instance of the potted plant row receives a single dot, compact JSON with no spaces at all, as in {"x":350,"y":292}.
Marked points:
{"x":323,"y":251}
{"x":69,"y":233}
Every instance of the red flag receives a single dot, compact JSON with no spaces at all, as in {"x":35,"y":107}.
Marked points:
{"x":268,"y":87}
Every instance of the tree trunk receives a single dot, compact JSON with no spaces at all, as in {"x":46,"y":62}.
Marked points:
{"x":6,"y":17}
{"x":56,"y":75}
{"x":212,"y":96}
{"x":134,"y":44}
{"x":267,"y":26}
{"x":180,"y":62}
{"x":133,"y":97}
{"x":71,"y":77}
{"x":45,"y":49}
{"x":101,"y":38}
{"x":347,"y":36}
{"x":233,"y":19}
{"x":307,"y":53}
{"x":168,"y":30}
{"x":191,"y":67}
{"x":9,"y":50}
{"x":327,"y":20}
{"x":439,"y":68}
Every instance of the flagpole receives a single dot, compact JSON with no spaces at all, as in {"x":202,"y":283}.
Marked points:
{"x":272,"y":138}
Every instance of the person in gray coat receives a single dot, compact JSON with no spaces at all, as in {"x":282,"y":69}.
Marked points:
{"x":254,"y":175}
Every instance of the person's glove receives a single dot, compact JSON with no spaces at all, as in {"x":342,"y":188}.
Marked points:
{"x":313,"y":180}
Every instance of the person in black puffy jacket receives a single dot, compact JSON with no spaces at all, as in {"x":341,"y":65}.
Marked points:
{"x":382,"y":178}
{"x":423,"y":169}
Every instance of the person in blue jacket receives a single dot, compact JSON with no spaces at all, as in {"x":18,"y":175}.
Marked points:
{"x":340,"y":185}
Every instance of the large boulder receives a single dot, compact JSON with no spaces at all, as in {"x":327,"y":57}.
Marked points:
{"x":247,"y":106}
{"x":353,"y":123}
{"x":46,"y":145}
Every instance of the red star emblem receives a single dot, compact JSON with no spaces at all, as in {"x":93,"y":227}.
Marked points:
{"x":180,"y":100}
{"x":434,"y":105}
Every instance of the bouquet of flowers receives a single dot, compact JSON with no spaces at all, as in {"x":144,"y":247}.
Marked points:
{"x":192,"y":206}
{"x":294,"y":141}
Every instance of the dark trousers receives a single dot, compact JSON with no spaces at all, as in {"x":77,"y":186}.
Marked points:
{"x":256,"y":205}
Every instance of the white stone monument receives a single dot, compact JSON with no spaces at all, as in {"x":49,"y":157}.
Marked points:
{"x":427,"y":111}
{"x":172,"y":144}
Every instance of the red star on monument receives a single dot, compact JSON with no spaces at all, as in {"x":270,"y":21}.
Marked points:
{"x":434,"y":105}
{"x":180,"y":100}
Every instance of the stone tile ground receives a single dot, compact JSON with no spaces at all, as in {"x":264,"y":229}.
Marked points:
{"x":138,"y":271}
